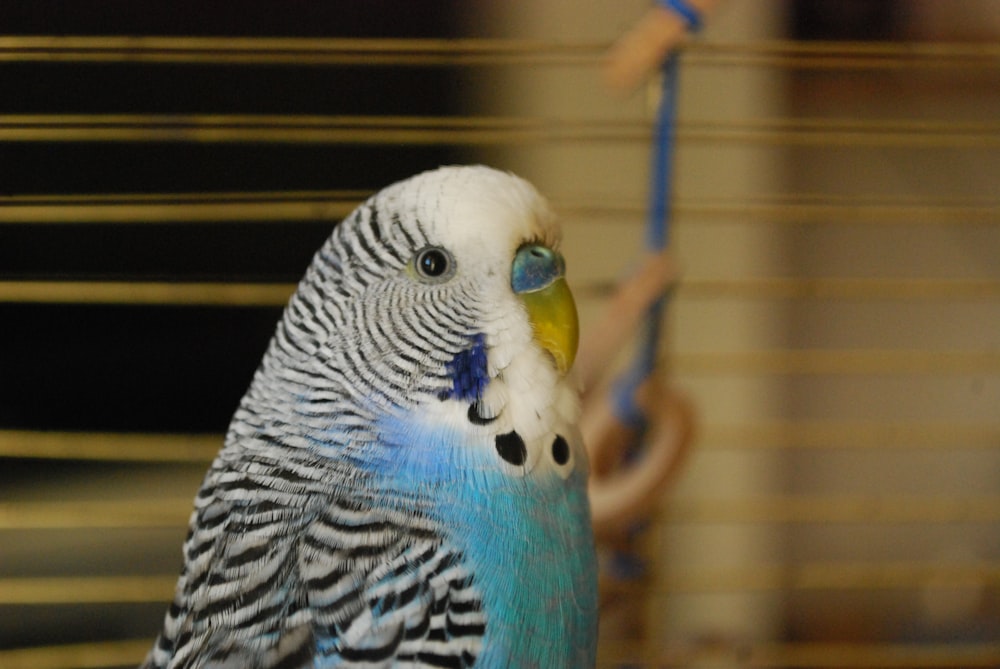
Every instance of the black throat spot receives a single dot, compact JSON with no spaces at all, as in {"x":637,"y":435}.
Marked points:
{"x":560,"y":450}
{"x":476,"y":416}
{"x":511,"y":448}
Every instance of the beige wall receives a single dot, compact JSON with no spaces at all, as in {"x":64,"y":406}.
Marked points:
{"x":601,"y":248}
{"x":734,"y":248}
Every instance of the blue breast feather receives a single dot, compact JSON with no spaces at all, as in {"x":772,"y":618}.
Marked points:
{"x":527,"y":539}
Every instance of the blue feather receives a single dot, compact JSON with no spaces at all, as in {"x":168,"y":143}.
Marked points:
{"x":468,"y":372}
{"x":529,"y":547}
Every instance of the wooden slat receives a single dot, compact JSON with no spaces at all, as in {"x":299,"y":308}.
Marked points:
{"x":850,"y":435}
{"x":487,"y":131}
{"x":316,"y":205}
{"x":110,"y":446}
{"x":693,"y":288}
{"x":180,"y":208}
{"x":800,"y":210}
{"x":835,"y":362}
{"x":840,"y":435}
{"x":803,"y":655}
{"x":844,"y":508}
{"x":299,"y":51}
{"x":785,"y":54}
{"x":100,"y":654}
{"x":94,"y":655}
{"x":838,"y":288}
{"x":832,"y":576}
{"x":783,"y":509}
{"x":86,"y":590}
{"x":845,"y":56}
{"x":821,"y":576}
{"x":876,"y":656}
{"x":95,"y":514}
{"x":147,"y":292}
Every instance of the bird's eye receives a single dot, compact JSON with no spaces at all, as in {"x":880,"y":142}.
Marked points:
{"x":434,"y":263}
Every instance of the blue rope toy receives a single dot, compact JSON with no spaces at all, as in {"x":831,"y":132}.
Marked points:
{"x":657,"y":225}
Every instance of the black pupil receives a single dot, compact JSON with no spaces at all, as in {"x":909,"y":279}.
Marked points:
{"x":433,"y":263}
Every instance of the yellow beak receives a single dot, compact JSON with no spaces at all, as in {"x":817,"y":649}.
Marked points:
{"x":552,"y":312}
{"x":537,"y":278}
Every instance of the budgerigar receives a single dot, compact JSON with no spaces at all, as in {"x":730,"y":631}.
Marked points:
{"x":404,"y":484}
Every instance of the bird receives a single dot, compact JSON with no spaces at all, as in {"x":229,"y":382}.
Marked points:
{"x":404,"y":482}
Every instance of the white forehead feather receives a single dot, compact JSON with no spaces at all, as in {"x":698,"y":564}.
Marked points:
{"x":479,"y":209}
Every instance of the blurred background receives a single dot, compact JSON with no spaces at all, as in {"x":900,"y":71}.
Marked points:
{"x":168,"y":170}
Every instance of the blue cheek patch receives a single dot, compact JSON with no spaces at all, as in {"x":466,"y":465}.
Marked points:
{"x":468,"y":372}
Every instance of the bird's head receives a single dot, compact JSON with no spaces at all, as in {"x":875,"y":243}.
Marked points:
{"x":458,"y":260}
{"x":491,"y":236}
{"x":442,"y":293}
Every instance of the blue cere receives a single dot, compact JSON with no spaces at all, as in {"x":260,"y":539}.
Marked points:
{"x":535,"y":267}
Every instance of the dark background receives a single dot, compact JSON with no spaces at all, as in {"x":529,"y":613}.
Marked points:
{"x":175,"y":368}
